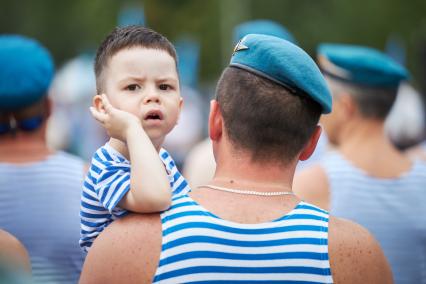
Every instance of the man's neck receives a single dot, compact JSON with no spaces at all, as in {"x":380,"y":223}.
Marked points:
{"x":23,"y":148}
{"x":366,"y":145}
{"x":242,"y":172}
{"x":239,"y":172}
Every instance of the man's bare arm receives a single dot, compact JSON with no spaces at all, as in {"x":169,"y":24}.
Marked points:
{"x":12,"y":250}
{"x":127,"y":251}
{"x":355,"y":255}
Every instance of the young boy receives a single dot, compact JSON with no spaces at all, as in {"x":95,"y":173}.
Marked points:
{"x":136,"y":73}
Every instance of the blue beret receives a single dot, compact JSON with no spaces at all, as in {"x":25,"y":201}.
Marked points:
{"x":26,"y":71}
{"x":264,"y":27}
{"x":360,"y":65}
{"x":284,"y":63}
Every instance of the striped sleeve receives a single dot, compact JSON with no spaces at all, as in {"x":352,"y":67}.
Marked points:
{"x":112,"y":184}
{"x":178,"y":183}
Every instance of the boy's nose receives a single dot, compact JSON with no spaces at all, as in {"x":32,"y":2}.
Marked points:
{"x":152,"y":97}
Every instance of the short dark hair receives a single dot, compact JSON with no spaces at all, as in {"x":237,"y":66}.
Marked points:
{"x":127,"y":37}
{"x":263,"y":118}
{"x":372,"y":102}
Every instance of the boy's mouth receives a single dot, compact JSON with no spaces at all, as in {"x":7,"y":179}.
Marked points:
{"x":153,"y":115}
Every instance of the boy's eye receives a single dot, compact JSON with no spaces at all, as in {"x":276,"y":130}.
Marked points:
{"x":165,"y":87}
{"x":132,"y":87}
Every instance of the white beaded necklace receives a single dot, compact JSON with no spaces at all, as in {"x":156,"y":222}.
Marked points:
{"x":247,"y":192}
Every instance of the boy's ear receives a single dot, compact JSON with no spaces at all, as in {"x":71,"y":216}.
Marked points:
{"x":180,"y":104}
{"x":97,"y":103}
{"x":180,"y":109}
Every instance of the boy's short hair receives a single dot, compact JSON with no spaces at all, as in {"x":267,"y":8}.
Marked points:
{"x":127,"y":37}
{"x":264,"y":118}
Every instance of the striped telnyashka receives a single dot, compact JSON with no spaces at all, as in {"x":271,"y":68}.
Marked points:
{"x":39,"y":204}
{"x":199,"y":247}
{"x":393,"y":210}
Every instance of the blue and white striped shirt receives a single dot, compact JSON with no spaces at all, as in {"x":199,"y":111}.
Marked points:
{"x":199,"y":247}
{"x":392,"y":209}
{"x":107,"y":181}
{"x":39,"y":204}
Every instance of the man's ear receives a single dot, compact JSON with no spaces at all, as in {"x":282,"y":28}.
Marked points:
{"x":48,"y":105}
{"x":309,"y":148}
{"x":348,"y":105}
{"x":97,"y":103}
{"x":215,"y":121}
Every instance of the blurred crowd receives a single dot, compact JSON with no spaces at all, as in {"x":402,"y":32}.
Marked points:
{"x":66,"y":136}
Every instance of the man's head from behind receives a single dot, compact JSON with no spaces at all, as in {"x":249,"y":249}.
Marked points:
{"x":25,"y":76}
{"x":364,"y":83}
{"x":270,"y":98}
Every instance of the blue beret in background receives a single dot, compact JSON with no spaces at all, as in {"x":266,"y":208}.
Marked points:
{"x":26,"y":71}
{"x":265,"y":27}
{"x":360,"y":65}
{"x":284,"y":63}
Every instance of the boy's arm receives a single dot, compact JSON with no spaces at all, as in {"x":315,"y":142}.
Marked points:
{"x":149,"y":184}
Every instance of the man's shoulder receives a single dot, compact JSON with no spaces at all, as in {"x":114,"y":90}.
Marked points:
{"x":355,"y":255}
{"x":136,"y":236}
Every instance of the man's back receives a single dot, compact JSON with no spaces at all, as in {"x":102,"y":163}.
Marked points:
{"x":189,"y":244}
{"x":200,"y":246}
{"x":392,"y":209}
{"x":39,"y":204}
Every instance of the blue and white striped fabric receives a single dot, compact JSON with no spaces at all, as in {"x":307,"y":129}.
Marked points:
{"x":40,"y":204}
{"x":199,"y":247}
{"x":393,"y":210}
{"x":107,"y":181}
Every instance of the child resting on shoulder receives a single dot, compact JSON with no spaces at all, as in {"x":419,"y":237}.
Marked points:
{"x":137,"y":77}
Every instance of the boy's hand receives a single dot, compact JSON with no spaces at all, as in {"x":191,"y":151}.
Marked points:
{"x":116,"y":122}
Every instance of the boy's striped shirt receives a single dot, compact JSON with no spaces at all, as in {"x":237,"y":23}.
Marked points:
{"x":107,"y":181}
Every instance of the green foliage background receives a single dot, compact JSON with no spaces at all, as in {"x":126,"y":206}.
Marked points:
{"x":72,"y":26}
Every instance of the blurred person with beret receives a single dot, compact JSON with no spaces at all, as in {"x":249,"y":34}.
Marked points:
{"x":39,"y":188}
{"x":366,"y":179}
{"x":246,"y":225}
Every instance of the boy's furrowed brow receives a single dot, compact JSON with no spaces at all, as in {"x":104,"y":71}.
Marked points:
{"x":131,"y":78}
{"x":168,"y":79}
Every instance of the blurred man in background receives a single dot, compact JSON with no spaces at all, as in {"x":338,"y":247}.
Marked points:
{"x":368,"y":180}
{"x":39,"y":189}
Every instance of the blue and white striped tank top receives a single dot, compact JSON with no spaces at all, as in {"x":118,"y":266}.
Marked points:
{"x":393,"y":210}
{"x":199,"y":247}
{"x":40,"y":204}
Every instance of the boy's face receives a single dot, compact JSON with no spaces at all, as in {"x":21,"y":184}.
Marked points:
{"x":145,"y":83}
